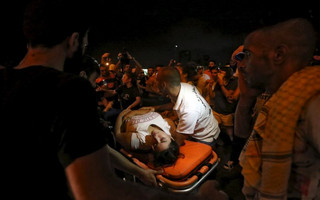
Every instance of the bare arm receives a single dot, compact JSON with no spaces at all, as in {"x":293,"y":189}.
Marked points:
{"x":123,"y":164}
{"x":135,"y":103}
{"x":139,"y":66}
{"x":121,"y":137}
{"x":244,"y":110}
{"x":225,"y":91}
{"x":160,"y":108}
{"x":92,"y":178}
{"x":211,"y":89}
{"x":235,"y":96}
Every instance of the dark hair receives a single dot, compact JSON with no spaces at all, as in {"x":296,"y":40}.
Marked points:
{"x":133,"y":77}
{"x":229,"y":72}
{"x":49,"y":22}
{"x":191,"y":70}
{"x":168,"y":156}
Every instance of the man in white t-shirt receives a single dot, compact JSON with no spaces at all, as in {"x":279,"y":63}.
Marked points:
{"x":196,"y":121}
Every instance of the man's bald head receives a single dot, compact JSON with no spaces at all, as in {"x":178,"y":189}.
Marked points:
{"x":169,"y":75}
{"x":297,"y":34}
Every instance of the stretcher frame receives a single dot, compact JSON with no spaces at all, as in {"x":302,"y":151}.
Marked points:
{"x":188,"y":183}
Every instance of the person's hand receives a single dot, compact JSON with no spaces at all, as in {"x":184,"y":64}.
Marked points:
{"x":230,"y":98}
{"x":119,"y":56}
{"x":209,"y":191}
{"x":129,"y":56}
{"x":172,"y":62}
{"x":99,"y":89}
{"x":209,"y":82}
{"x":165,"y":113}
{"x":148,"y":177}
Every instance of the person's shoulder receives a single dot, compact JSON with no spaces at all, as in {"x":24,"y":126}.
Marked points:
{"x":188,"y":86}
{"x":73,"y":83}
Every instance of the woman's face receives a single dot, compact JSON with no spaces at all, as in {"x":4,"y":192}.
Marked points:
{"x":162,"y":140}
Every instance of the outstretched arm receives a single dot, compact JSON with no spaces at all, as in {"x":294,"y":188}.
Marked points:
{"x":135,"y":103}
{"x":120,"y":162}
{"x":91,"y":178}
{"x":121,"y":137}
{"x":159,"y":108}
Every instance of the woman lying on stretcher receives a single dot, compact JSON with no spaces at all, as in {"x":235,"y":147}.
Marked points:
{"x":142,"y":131}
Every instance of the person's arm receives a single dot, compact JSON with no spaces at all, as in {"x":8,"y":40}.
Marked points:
{"x":135,"y":103}
{"x":180,"y":138}
{"x":172,"y":63}
{"x":92,"y":178}
{"x":120,"y":162}
{"x":121,"y":137}
{"x":158,"y":108}
{"x":243,"y":114}
{"x":107,"y":92}
{"x":186,"y":126}
{"x":224,"y":90}
{"x":210,"y":88}
{"x":139,"y":66}
{"x":235,"y":96}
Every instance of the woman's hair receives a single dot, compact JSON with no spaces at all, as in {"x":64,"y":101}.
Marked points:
{"x":229,"y":72}
{"x":191,"y":70}
{"x":168,"y":156}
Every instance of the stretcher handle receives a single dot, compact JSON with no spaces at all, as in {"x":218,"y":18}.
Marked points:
{"x":192,"y":179}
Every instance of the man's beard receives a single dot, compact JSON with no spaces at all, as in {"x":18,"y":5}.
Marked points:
{"x":72,"y":65}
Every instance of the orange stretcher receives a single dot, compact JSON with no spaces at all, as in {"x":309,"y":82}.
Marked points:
{"x":190,"y":170}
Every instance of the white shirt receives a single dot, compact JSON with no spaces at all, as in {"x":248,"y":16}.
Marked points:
{"x":137,"y":127}
{"x":195,"y":115}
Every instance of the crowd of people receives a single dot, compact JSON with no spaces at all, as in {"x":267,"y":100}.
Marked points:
{"x":265,"y":103}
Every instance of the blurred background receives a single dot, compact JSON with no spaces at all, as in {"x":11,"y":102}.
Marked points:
{"x":156,"y":31}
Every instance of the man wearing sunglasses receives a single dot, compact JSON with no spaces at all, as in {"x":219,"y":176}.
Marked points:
{"x":281,"y":157}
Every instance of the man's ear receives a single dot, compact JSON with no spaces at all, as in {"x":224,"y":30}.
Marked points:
{"x":83,"y":74}
{"x":161,"y":84}
{"x":280,"y":54}
{"x":73,"y":43}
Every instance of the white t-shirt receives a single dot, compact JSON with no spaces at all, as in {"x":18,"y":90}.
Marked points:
{"x":137,"y":129}
{"x":195,"y":115}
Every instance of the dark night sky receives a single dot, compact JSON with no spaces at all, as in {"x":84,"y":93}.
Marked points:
{"x":150,"y":30}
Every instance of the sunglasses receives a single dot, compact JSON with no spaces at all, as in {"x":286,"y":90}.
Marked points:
{"x":241,"y":55}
